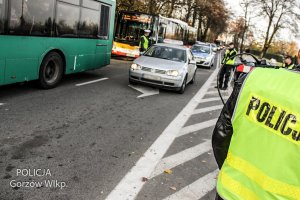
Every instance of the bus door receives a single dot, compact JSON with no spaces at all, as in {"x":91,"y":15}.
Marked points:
{"x":102,"y":53}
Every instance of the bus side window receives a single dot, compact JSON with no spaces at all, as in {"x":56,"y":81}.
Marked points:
{"x":104,"y":22}
{"x":31,"y":17}
{"x":67,"y":19}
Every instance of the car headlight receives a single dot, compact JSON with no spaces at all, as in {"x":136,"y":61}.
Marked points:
{"x":136,"y":66}
{"x":208,"y":58}
{"x":172,"y":73}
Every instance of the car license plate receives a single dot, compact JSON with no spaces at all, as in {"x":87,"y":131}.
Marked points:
{"x":156,"y":78}
{"x":130,"y":55}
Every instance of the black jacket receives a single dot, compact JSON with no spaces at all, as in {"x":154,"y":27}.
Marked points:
{"x":223,"y":131}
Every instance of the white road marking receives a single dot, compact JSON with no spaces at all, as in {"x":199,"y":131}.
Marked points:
{"x":181,"y":157}
{"x":146,"y":91}
{"x":216,"y":92}
{"x":1,"y":104}
{"x":132,"y":183}
{"x":196,"y":190}
{"x":197,"y":127}
{"x":208,"y":109}
{"x":212,"y":99}
{"x":90,"y":82}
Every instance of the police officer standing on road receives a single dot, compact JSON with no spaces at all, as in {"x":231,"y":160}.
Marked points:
{"x":144,"y":43}
{"x":228,"y":63}
{"x":288,"y":62}
{"x":256,"y":140}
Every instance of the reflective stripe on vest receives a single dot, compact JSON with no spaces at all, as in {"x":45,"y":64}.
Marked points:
{"x":228,"y":55}
{"x":292,"y":66}
{"x":264,"y":153}
{"x":146,"y":42}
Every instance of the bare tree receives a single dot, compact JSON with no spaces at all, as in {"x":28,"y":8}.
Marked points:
{"x":278,"y":14}
{"x":245,"y":4}
{"x":212,"y":19}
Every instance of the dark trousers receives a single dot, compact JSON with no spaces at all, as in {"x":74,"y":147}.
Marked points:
{"x":224,"y":73}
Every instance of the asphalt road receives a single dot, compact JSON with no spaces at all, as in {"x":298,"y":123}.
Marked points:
{"x":88,"y":137}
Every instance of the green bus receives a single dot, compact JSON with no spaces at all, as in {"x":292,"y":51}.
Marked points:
{"x":45,"y":39}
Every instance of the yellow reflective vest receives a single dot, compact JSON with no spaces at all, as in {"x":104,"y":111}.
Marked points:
{"x":144,"y":45}
{"x":227,"y":57}
{"x":263,"y":161}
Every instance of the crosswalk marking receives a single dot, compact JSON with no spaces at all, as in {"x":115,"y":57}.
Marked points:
{"x":197,"y":127}
{"x":212,"y":99}
{"x":181,"y":157}
{"x":216,"y":92}
{"x":208,"y":109}
{"x":129,"y":187}
{"x":196,"y":190}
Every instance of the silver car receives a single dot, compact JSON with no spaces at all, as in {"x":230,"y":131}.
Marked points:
{"x":166,"y":66}
{"x":204,"y":55}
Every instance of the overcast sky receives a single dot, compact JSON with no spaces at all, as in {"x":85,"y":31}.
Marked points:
{"x":259,"y":23}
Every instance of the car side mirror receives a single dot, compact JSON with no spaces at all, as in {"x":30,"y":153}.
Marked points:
{"x":263,"y":62}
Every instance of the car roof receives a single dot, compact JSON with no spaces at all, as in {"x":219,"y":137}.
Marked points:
{"x":171,"y":46}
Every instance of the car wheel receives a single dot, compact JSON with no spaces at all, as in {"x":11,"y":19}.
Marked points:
{"x":51,"y":71}
{"x":183,"y":86}
{"x":194,"y":78}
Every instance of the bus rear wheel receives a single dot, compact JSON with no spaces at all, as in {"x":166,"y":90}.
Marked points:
{"x":51,"y":71}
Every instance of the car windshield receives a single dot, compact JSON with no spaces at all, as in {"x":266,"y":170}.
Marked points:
{"x":167,"y":53}
{"x":201,"y":49}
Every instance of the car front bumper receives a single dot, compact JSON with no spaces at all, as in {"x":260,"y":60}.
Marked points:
{"x":203,"y":62}
{"x":156,"y":80}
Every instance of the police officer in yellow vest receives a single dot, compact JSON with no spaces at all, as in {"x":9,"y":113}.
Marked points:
{"x":288,"y":62}
{"x":228,"y":63}
{"x":256,"y":140}
{"x":144,"y":42}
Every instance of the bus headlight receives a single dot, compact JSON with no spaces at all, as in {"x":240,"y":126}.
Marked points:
{"x":136,"y":66}
{"x":172,"y":73}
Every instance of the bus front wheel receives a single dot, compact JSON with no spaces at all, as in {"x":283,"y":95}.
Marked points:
{"x":51,"y":71}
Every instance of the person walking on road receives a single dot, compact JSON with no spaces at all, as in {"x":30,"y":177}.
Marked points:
{"x":256,"y":141}
{"x":288,"y":62}
{"x":144,"y":42}
{"x":228,"y":63}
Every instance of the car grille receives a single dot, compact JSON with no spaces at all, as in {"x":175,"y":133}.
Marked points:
{"x":157,"y":71}
{"x":152,"y":81}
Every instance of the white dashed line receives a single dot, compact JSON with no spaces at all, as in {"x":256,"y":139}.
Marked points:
{"x":132,"y":183}
{"x":196,"y":190}
{"x":182,"y":157}
{"x":90,"y":82}
{"x":197,"y":127}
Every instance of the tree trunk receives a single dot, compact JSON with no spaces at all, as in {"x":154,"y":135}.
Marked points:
{"x":194,"y":17}
{"x":172,"y":6}
{"x":244,"y":28}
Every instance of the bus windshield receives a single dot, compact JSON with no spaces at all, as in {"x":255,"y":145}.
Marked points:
{"x":131,"y":27}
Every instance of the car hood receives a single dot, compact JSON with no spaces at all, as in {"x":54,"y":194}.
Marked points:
{"x":200,"y":54}
{"x":158,"y":63}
